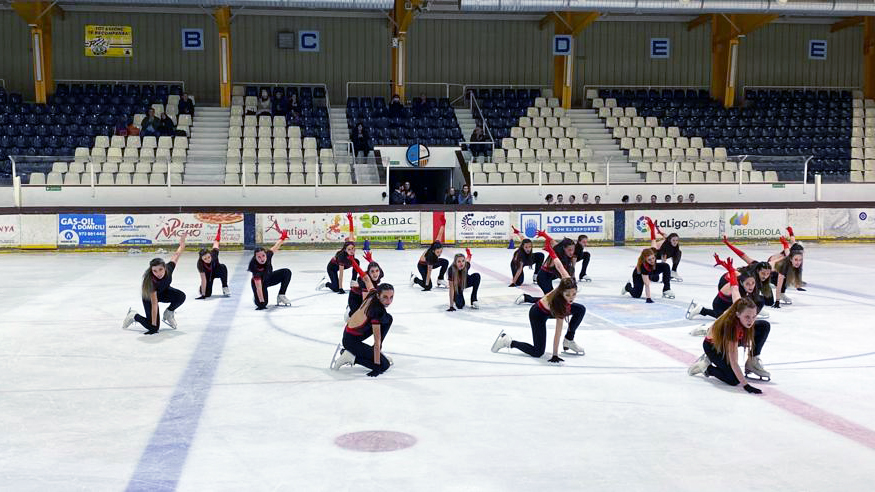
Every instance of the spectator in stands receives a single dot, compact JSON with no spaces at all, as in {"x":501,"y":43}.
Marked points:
{"x":680,"y":199}
{"x":397,"y":196}
{"x":280,"y":105}
{"x":560,"y":200}
{"x":639,"y":198}
{"x":465,"y":197}
{"x":133,"y":131}
{"x":691,"y":198}
{"x":653,"y":199}
{"x":293,"y":103}
{"x":166,"y":126}
{"x":625,"y":199}
{"x":186,"y":105}
{"x":396,"y":109}
{"x":409,"y":195}
{"x":584,"y":198}
{"x":293,"y":118}
{"x":667,"y":198}
{"x":549,"y":198}
{"x":360,"y":141}
{"x":598,"y":199}
{"x":150,"y":127}
{"x":479,"y":149}
{"x":571,"y":199}
{"x":420,"y":105}
{"x":451,"y":198}
{"x":265,"y":104}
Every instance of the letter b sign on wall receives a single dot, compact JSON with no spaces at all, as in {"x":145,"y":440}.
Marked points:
{"x":192,"y":40}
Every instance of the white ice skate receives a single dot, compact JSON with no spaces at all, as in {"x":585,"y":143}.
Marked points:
{"x":129,"y":318}
{"x":693,"y":310}
{"x":755,"y":366}
{"x":763,"y":315}
{"x":169,"y":318}
{"x":572,"y":347}
{"x":521,"y":299}
{"x":623,"y":291}
{"x":699,"y":366}
{"x":785,"y":299}
{"x":700,"y":330}
{"x":391,"y":362}
{"x":475,"y":305}
{"x":442,"y":284}
{"x":282,"y":300}
{"x":503,"y":341}
{"x":342,"y":357}
{"x":321,"y":284}
{"x":585,"y":278}
{"x":676,"y":277}
{"x":412,"y":279}
{"x":668,"y":294}
{"x":226,"y":291}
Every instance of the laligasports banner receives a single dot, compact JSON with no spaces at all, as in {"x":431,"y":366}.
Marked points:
{"x":686,"y":223}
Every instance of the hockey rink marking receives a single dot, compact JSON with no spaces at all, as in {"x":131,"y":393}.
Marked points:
{"x":161,"y":464}
{"x":818,"y":416}
{"x":375,"y":441}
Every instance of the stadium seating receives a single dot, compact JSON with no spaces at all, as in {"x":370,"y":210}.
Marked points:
{"x":436,"y":124}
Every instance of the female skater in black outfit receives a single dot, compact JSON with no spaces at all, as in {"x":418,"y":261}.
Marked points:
{"x":560,"y":265}
{"x":371,"y":319}
{"x":264,"y":276}
{"x":156,"y":288}
{"x":583,"y":256}
{"x":647,"y":270}
{"x":460,"y":279}
{"x":210,"y":269}
{"x":341,"y":260}
{"x":524,"y":257}
{"x":367,"y":282}
{"x":427,"y":262}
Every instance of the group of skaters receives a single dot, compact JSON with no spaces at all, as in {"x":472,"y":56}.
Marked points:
{"x":742,"y":292}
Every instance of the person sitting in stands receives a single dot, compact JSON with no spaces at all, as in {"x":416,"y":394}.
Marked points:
{"x":166,"y":126}
{"x":451,"y":198}
{"x":360,"y":142}
{"x":265,"y":104}
{"x":465,"y":197}
{"x":396,"y":109}
{"x":479,"y":149}
{"x":420,"y":105}
{"x":186,"y":105}
{"x":151,"y":125}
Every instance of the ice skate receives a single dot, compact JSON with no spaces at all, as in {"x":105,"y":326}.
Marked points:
{"x":321,"y":284}
{"x":391,"y":362}
{"x":129,"y":318}
{"x":342,"y":357}
{"x":169,"y":318}
{"x":226,"y":291}
{"x":676,"y":277}
{"x":442,"y":284}
{"x":668,"y":294}
{"x":700,"y":330}
{"x":282,"y":300}
{"x":585,"y":278}
{"x":786,"y":300}
{"x":475,"y":305}
{"x":572,"y":347}
{"x":624,"y":291}
{"x":763,"y":315}
{"x":699,"y":366}
{"x":412,"y":279}
{"x":755,"y":366}
{"x":521,"y":299}
{"x":503,"y":341}
{"x":693,"y":310}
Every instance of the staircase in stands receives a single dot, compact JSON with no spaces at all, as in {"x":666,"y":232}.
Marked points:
{"x":207,"y":146}
{"x":598,"y":137}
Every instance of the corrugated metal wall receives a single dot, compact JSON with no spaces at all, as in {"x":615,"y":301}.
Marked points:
{"x":618,"y":53}
{"x":16,"y":61}
{"x":778,"y":55}
{"x":351,"y":50}
{"x":479,"y":52}
{"x":158,"y":51}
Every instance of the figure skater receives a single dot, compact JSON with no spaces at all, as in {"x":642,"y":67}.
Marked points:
{"x":583,"y":256}
{"x":367,"y":281}
{"x":210,"y":269}
{"x":156,"y":288}
{"x":264,"y":276}
{"x":341,"y":260}
{"x":460,"y":279}
{"x":524,"y":257}
{"x":371,"y":319}
{"x":648,"y":270}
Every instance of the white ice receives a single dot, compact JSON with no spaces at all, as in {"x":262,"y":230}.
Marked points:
{"x":238,"y":399}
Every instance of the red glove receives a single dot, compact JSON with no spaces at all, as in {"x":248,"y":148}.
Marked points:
{"x":544,"y":235}
{"x":733,"y":275}
{"x":468,"y":253}
{"x":442,"y":220}
{"x":515,"y":230}
{"x":784,"y":243}
{"x":652,"y":228}
{"x":355,"y":266}
{"x":349,"y":218}
{"x":369,"y":257}
{"x":790,"y":231}
{"x":735,"y":250}
{"x":550,"y":252}
{"x":284,"y":235}
{"x":219,"y":234}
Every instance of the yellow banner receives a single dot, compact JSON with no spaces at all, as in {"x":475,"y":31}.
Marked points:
{"x":115,"y":41}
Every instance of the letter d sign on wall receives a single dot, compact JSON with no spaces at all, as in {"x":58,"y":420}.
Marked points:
{"x":192,"y":39}
{"x":562,"y":45}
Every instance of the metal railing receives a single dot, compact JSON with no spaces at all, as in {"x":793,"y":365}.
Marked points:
{"x":388,"y":88}
{"x":116,"y":82}
{"x":797,"y":87}
{"x":467,"y":87}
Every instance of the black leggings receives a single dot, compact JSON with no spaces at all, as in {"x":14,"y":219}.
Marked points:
{"x":354,"y":301}
{"x":443,"y":263}
{"x":538,"y":321}
{"x":585,"y":263}
{"x":545,"y":280}
{"x":538,"y":260}
{"x":220,"y":273}
{"x":174,"y":296}
{"x":774,"y":280}
{"x":675,"y":260}
{"x":333,"y":276}
{"x":473,"y":282}
{"x":718,"y":306}
{"x":720,"y":368}
{"x":282,"y":276}
{"x":364,"y":354}
{"x":637,"y":285}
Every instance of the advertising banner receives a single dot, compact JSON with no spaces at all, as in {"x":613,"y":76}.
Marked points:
{"x":10,"y":231}
{"x":685,"y":223}
{"x":596,"y":225}
{"x":109,"y":41}
{"x":762,"y":223}
{"x":133,"y":229}
{"x":81,"y":229}
{"x":482,"y":226}
{"x":328,"y":228}
{"x":847,"y":222}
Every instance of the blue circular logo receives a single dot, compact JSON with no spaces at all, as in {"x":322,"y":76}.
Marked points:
{"x":129,"y":220}
{"x":68,"y":235}
{"x":863,"y":216}
{"x":417,"y":155}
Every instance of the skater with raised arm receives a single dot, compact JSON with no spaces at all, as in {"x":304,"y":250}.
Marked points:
{"x":154,"y":288}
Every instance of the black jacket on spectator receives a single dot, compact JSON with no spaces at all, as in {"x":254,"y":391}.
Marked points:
{"x":360,"y":141}
{"x":186,"y":107}
{"x":396,"y":109}
{"x":166,"y":126}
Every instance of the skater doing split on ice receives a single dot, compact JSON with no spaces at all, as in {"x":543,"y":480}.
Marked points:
{"x":156,"y":288}
{"x":264,"y":276}
{"x":210,"y":269}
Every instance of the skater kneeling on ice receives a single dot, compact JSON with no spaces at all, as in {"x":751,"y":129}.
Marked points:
{"x":647,"y":270}
{"x":156,"y":288}
{"x":371,"y":319}
{"x":736,"y":327}
{"x":210,"y":269}
{"x":460,"y":279}
{"x":264,"y":276}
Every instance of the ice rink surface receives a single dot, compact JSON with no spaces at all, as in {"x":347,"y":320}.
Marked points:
{"x":240,"y":400}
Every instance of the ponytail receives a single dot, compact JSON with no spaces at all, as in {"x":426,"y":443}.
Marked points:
{"x":146,"y":287}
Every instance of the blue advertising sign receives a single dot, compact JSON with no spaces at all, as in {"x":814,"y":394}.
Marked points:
{"x":79,"y":229}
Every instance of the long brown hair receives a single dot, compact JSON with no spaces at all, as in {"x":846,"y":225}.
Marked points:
{"x":556,"y":298}
{"x":723,"y":331}
{"x":642,"y":259}
{"x":785,"y":267}
{"x":146,"y":288}
{"x":460,"y":277}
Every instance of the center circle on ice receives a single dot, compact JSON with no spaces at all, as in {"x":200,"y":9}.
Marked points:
{"x":375,"y":441}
